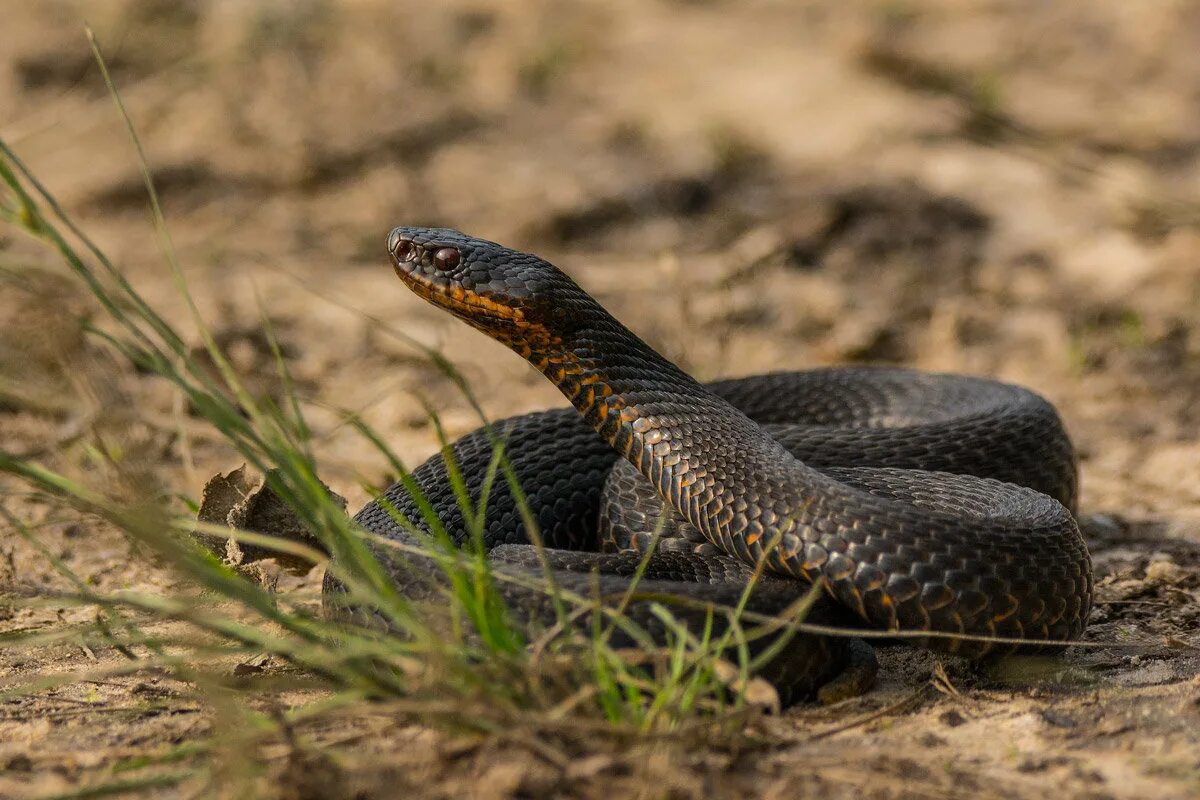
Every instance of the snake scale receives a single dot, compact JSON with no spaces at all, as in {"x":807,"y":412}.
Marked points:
{"x":918,"y":501}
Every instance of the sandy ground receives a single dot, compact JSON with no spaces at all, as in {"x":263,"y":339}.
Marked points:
{"x":1006,"y":188}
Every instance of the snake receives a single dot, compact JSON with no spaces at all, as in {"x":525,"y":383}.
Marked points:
{"x":920,"y":503}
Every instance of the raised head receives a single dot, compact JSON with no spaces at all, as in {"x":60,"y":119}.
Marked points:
{"x":514,"y":297}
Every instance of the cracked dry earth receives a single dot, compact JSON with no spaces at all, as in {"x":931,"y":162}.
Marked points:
{"x":1008,"y":189}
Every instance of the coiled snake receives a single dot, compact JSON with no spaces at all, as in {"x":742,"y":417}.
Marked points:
{"x":918,"y":501}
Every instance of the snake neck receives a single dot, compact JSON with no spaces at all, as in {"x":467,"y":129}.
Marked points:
{"x":707,"y":460}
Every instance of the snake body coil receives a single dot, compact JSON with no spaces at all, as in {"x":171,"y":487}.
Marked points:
{"x":918,"y":501}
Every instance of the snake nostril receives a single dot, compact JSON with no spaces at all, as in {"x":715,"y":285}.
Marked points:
{"x":447,"y":258}
{"x":403,"y":249}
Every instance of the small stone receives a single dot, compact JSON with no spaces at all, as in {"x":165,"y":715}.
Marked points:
{"x":20,"y":763}
{"x":1057,"y":719}
{"x":952,"y":719}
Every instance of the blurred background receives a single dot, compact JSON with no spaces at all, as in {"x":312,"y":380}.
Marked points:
{"x":1000,"y":188}
{"x":1010,"y":189}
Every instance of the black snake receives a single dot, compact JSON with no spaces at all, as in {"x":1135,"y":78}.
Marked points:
{"x":919,"y":501}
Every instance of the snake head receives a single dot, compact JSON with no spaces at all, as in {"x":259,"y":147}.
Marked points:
{"x":514,"y":297}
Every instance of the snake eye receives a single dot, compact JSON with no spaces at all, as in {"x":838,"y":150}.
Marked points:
{"x":403,"y":249}
{"x":446,"y":258}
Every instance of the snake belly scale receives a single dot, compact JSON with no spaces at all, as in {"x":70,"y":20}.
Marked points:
{"x":919,"y":502}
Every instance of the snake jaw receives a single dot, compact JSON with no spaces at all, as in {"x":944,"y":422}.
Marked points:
{"x":463,"y":285}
